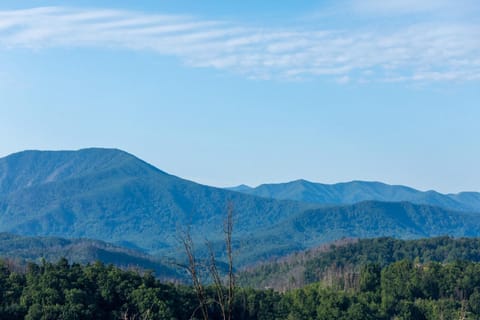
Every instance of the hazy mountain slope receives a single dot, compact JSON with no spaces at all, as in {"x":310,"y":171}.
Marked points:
{"x":368,"y":219}
{"x":357,"y":191}
{"x":375,"y":219}
{"x":33,"y":168}
{"x":110,"y":195}
{"x":469,"y":199}
{"x":240,"y":188}
{"x":113,"y":196}
{"x":81,"y":251}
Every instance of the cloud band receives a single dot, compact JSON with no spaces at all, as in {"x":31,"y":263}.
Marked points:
{"x":417,"y":53}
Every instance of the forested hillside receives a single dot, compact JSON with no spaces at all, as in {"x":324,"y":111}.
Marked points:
{"x":21,"y":250}
{"x":328,"y":262}
{"x":367,"y":219}
{"x":402,"y":290}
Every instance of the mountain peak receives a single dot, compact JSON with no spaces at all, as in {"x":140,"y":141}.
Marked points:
{"x":301,"y":181}
{"x":90,"y":150}
{"x":111,"y":195}
{"x":240,"y":188}
{"x":30,"y":168}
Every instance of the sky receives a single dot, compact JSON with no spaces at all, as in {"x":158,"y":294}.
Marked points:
{"x":249,"y":92}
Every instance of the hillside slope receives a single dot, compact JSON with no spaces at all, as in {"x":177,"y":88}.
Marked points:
{"x":110,"y":195}
{"x":349,"y":255}
{"x":358,"y":191}
{"x":367,"y":219}
{"x":33,"y":249}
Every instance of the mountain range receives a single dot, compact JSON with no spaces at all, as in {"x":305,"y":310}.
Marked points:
{"x":357,"y":191}
{"x":111,"y":195}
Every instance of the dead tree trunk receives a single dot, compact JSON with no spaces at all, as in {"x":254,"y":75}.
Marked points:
{"x":223,"y":299}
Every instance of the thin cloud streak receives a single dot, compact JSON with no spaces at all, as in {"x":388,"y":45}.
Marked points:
{"x":419,"y":53}
{"x":401,"y":6}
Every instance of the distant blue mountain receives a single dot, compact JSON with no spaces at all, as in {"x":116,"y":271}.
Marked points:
{"x":111,"y":195}
{"x":368,"y":219}
{"x":357,"y":191}
{"x":240,"y":188}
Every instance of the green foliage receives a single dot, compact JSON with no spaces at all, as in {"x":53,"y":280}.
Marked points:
{"x":402,"y":290}
{"x":351,"y":256}
{"x":71,"y":291}
{"x":23,"y":249}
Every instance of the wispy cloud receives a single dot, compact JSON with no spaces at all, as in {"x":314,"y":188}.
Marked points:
{"x":417,"y":53}
{"x":403,"y":6}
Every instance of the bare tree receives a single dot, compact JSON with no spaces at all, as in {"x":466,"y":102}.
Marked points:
{"x":193,"y":269}
{"x":228,"y":231}
{"x":223,"y":299}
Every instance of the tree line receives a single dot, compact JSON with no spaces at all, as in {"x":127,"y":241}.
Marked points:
{"x":403,"y":290}
{"x":328,"y":262}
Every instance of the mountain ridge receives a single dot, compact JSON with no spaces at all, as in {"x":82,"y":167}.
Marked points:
{"x":368,"y":219}
{"x":357,"y":190}
{"x":113,"y":196}
{"x":110,"y":195}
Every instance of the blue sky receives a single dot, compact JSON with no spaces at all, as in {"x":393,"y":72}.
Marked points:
{"x":225,"y":93}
